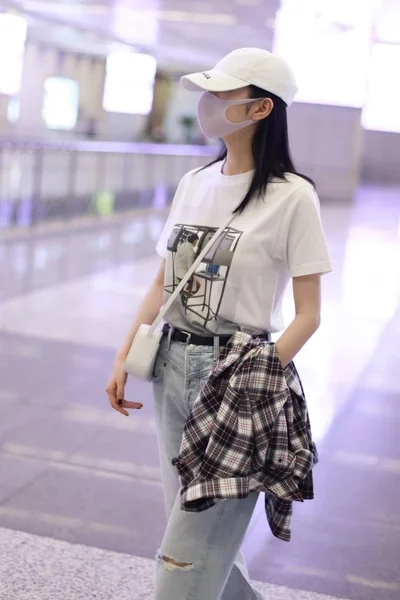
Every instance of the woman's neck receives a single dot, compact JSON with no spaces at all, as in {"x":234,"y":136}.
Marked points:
{"x":239,"y":157}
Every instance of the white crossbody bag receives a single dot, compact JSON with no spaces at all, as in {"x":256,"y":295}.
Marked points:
{"x":143,"y":352}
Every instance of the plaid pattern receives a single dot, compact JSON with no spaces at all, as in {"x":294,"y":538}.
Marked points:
{"x":248,"y":430}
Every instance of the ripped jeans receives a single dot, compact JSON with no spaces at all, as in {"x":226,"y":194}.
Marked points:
{"x":200,"y":557}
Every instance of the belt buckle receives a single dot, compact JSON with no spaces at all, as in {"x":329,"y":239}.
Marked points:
{"x":189,"y":337}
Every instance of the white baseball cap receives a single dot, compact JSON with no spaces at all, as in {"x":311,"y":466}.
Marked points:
{"x":243,"y":67}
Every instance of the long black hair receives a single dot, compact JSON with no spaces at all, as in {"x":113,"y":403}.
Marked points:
{"x":270,"y":148}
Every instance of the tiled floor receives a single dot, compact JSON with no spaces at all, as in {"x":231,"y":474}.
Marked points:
{"x":74,"y":471}
{"x":55,"y":570}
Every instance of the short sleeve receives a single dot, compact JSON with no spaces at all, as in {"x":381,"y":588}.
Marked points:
{"x":306,"y":250}
{"x":172,"y":219}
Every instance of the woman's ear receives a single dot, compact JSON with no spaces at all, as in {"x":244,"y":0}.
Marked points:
{"x":262,"y":109}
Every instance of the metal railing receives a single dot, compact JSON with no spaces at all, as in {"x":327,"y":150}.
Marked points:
{"x":47,"y":181}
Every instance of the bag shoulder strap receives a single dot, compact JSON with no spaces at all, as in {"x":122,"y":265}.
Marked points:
{"x":190,"y":272}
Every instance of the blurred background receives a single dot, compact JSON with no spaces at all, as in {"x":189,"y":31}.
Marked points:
{"x":95,"y":133}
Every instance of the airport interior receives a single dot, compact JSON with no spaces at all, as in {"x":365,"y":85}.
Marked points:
{"x":96,"y":132}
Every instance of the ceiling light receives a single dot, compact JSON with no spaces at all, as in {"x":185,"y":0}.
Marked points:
{"x":192,"y":17}
{"x":67,"y":9}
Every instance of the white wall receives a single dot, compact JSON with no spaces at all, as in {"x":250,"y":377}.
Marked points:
{"x":381,"y":156}
{"x":326,"y":145}
{"x":124,"y":127}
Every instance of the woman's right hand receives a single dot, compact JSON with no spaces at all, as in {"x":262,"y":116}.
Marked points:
{"x":148,"y":311}
{"x":116,"y":389}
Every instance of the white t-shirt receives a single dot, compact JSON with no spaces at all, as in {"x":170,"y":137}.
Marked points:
{"x":241,"y":284}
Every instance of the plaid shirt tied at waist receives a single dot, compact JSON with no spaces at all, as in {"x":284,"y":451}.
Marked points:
{"x":249,"y":430}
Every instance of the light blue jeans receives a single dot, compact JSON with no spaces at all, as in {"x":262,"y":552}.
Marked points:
{"x":208,"y":542}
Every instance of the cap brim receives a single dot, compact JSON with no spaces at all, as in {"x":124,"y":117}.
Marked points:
{"x":211,"y":81}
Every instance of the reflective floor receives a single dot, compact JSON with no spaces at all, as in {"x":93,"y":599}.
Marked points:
{"x":75,"y":472}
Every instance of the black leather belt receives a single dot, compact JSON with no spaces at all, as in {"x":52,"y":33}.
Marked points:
{"x":198,"y":340}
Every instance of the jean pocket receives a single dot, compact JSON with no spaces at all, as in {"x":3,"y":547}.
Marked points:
{"x":159,"y":368}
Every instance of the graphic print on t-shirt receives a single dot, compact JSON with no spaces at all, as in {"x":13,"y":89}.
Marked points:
{"x":202,"y":296}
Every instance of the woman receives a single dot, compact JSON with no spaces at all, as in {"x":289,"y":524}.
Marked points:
{"x":280,"y":237}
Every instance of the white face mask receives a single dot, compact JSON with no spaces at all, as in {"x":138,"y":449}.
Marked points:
{"x":212,"y":118}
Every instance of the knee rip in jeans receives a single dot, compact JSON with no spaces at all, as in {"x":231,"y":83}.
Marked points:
{"x":170,"y":564}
